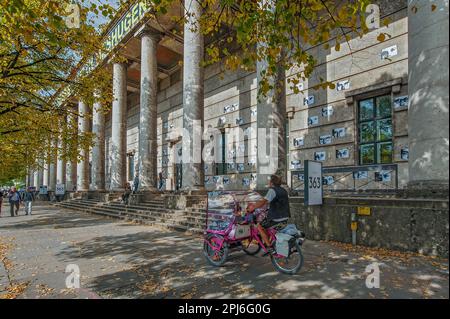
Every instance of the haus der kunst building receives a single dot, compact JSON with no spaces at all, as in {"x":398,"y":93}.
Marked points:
{"x":383,"y":127}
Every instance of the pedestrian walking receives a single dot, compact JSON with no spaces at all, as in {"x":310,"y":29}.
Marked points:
{"x":28,"y":198}
{"x":1,"y":202}
{"x":14,"y":201}
{"x":136,"y":183}
{"x":161,"y":181}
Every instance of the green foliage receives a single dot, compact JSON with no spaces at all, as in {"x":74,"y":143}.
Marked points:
{"x":39,"y":55}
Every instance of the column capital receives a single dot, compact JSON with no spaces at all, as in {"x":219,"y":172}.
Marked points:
{"x":147,"y":30}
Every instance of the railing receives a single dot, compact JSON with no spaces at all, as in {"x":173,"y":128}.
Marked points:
{"x":373,"y":178}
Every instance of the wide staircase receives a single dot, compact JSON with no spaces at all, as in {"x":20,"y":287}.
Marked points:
{"x":153,"y":212}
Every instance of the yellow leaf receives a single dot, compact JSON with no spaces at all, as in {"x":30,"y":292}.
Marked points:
{"x":337,"y":47}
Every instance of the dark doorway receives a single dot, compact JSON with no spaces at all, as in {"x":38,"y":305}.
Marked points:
{"x":178,"y":176}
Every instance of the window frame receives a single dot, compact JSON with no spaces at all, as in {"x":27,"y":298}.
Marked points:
{"x":221,"y":168}
{"x":375,"y":119}
{"x":131,"y":168}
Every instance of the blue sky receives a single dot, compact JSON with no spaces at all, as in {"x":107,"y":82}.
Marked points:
{"x":100,"y":19}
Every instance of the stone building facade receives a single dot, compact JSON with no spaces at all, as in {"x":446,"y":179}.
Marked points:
{"x":360,"y":130}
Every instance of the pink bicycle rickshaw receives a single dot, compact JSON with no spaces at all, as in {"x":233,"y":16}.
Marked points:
{"x":227,"y":229}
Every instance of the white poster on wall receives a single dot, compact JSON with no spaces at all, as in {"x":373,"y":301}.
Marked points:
{"x":309,"y":100}
{"x":401,"y":101}
{"x":313,"y":120}
{"x":319,"y":156}
{"x":343,"y":85}
{"x":389,"y":52}
{"x":313,"y":183}
{"x":298,"y":141}
{"x":404,"y":153}
{"x":327,"y":111}
{"x":342,"y":153}
{"x":325,"y":139}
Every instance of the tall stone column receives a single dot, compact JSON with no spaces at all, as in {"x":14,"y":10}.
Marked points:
{"x":98,"y":151}
{"x":83,"y":163}
{"x":118,"y":158}
{"x":71,"y":165}
{"x":40,"y":173}
{"x":193,"y":99}
{"x":36,"y":178}
{"x":271,"y":130}
{"x":271,"y":119}
{"x":71,"y":175}
{"x":61,"y":165}
{"x":53,"y":167}
{"x":45,"y":174}
{"x":428,"y":124}
{"x":28,"y":178}
{"x":40,"y":176}
{"x":148,"y":145}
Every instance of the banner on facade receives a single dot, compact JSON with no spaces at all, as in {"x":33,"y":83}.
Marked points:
{"x":126,"y":23}
{"x":60,"y":189}
{"x":43,"y":190}
{"x":313,"y":183}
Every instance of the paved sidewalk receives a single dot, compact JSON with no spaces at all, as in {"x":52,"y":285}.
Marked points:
{"x":124,"y":260}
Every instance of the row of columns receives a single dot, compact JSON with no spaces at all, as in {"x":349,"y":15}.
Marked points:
{"x":428,"y":102}
{"x":193,"y":109}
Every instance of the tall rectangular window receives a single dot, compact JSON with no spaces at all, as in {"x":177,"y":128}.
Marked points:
{"x":130,"y":166}
{"x":221,"y":167}
{"x":375,"y":130}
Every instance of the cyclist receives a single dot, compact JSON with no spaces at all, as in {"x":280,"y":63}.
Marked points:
{"x":279,"y":211}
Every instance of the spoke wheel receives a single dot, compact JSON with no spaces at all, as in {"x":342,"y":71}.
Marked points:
{"x":291,"y":264}
{"x":215,"y":257}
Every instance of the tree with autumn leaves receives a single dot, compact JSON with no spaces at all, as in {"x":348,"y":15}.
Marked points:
{"x":40,"y":56}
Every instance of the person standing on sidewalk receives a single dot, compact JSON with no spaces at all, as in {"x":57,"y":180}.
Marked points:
{"x":1,"y":201}
{"x":160,"y":181}
{"x":136,"y":183}
{"x":126,"y":194}
{"x":14,"y":201}
{"x":28,"y":199}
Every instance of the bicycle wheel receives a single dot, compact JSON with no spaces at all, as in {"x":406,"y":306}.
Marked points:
{"x":250,"y":247}
{"x":215,"y":257}
{"x":291,"y":264}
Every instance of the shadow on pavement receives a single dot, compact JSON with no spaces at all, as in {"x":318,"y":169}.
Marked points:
{"x":52,"y":218}
{"x":171,"y":265}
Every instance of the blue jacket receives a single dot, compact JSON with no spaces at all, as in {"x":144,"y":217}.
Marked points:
{"x":16,"y":194}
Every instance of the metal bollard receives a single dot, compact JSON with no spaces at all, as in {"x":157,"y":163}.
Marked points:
{"x":354,"y":227}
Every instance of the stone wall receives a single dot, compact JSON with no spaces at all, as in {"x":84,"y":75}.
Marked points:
{"x":368,"y":75}
{"x":400,"y":224}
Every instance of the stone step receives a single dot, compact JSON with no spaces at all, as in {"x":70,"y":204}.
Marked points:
{"x":178,"y":220}
{"x":149,"y":219}
{"x":195,"y":210}
{"x":139,"y":206}
{"x":154,"y":201}
{"x":193,"y":213}
{"x":75,"y":206}
{"x":164,"y":215}
{"x":138,"y":216}
{"x":106,"y":213}
{"x":83,"y":201}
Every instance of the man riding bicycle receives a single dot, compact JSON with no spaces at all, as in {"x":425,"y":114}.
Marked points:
{"x":279,"y":211}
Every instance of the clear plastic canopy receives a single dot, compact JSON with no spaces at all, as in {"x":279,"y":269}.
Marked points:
{"x":223,"y":204}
